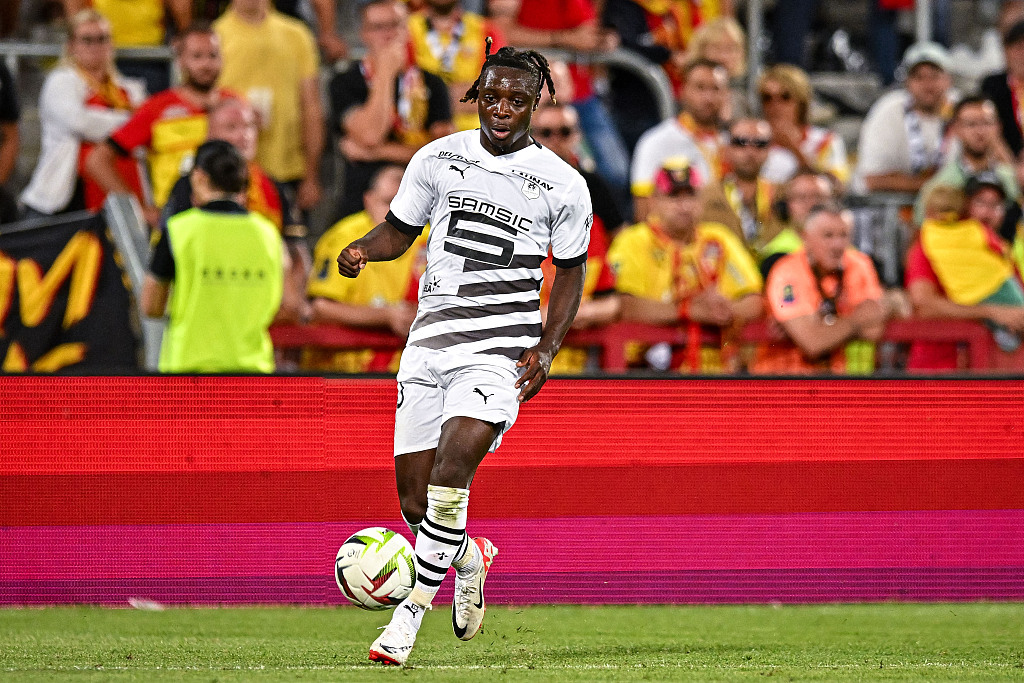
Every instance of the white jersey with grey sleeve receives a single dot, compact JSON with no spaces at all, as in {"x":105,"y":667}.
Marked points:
{"x":492,"y":221}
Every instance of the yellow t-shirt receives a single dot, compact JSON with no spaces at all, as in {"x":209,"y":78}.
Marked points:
{"x":288,"y":46}
{"x":650,"y":265}
{"x":456,"y":58}
{"x":382,"y":283}
{"x":133,"y":22}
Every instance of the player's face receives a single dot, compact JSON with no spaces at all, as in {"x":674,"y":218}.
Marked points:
{"x":200,"y":61}
{"x":236,"y":123}
{"x":505,"y":105}
{"x":826,"y":237}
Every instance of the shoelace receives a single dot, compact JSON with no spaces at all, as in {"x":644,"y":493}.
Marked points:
{"x":464,"y":599}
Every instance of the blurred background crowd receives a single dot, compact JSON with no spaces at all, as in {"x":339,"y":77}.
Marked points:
{"x":774,"y":183}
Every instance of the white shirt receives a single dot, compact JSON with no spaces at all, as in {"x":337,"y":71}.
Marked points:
{"x":493,"y":219}
{"x":820,"y":145}
{"x":65,"y":121}
{"x":884,"y":143}
{"x":666,"y":140}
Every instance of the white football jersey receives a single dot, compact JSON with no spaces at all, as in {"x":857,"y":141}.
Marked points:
{"x":492,"y":221}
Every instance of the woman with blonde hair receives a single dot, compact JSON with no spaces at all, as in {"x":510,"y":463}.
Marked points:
{"x":83,"y":100}
{"x":786,"y":95}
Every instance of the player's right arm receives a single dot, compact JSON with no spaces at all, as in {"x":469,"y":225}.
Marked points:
{"x":383,"y":243}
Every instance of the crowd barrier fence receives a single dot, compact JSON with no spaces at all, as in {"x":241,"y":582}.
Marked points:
{"x":611,"y":342}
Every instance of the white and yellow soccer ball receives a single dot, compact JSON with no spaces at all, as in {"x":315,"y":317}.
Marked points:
{"x":375,"y":568}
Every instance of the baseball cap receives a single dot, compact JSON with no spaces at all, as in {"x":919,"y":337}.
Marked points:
{"x":676,"y":175}
{"x":926,"y":52}
{"x":983,"y":180}
{"x":1014,"y":33}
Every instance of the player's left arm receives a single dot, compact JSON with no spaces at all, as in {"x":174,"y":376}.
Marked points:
{"x":566,"y":292}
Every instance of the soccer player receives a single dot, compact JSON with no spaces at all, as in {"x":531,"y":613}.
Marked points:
{"x":495,"y":200}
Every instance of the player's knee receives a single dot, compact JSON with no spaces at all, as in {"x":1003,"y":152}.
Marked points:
{"x":414,"y":505}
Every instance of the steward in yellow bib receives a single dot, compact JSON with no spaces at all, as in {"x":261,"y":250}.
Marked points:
{"x":222,"y":268}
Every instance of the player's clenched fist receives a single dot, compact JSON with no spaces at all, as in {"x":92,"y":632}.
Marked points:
{"x":351,"y":260}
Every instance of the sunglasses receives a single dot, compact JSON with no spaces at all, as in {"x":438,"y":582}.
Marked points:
{"x":561,"y":131}
{"x":756,"y":143}
{"x":776,"y":96}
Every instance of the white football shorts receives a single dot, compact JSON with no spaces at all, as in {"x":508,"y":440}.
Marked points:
{"x":434,"y":386}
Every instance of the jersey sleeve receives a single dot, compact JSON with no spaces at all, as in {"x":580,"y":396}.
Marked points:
{"x":863,"y":281}
{"x":570,"y":232}
{"x":138,"y":130}
{"x":627,"y":263}
{"x":411,"y":207}
{"x":790,"y":292}
{"x":742,"y":276}
{"x":161,"y":265}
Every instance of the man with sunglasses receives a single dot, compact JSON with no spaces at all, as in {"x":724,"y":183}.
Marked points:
{"x":556,"y":126}
{"x":744,"y":200}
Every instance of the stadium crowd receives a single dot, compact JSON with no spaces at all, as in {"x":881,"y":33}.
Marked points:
{"x":731,"y":211}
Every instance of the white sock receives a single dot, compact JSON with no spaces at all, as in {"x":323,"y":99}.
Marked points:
{"x":440,"y":536}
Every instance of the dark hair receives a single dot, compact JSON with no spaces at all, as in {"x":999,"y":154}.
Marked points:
{"x":196,"y":28}
{"x":975,"y":101}
{"x":525,"y":60}
{"x":226,"y":168}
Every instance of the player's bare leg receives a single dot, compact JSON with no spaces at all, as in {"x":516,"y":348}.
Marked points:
{"x":412,"y":475}
{"x":442,"y":534}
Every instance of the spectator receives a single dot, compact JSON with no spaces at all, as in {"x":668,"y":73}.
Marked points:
{"x":901,"y":140}
{"x":10,"y":111}
{"x":673,"y":269}
{"x":450,"y":42}
{"x":82,"y":102}
{"x":557,"y":128}
{"x":234,"y":121}
{"x":573,"y":25}
{"x":693,"y":134}
{"x":139,"y":23}
{"x":272,"y":60}
{"x":801,"y":194}
{"x":744,"y":201}
{"x":786,"y":94}
{"x":325,"y":12}
{"x":378,"y":299}
{"x":660,"y":33}
{"x":1006,"y":89}
{"x":960,"y":269}
{"x":168,"y":127}
{"x":723,"y":40}
{"x":975,"y":127}
{"x":384,"y":107}
{"x":226,"y":266}
{"x":825,"y":297}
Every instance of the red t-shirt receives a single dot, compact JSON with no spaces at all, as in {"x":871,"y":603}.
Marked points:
{"x":560,"y":15}
{"x":927,"y":355}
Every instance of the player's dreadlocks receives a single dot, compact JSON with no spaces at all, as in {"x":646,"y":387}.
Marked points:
{"x":527,"y":60}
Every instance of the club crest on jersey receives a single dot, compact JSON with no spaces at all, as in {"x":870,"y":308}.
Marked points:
{"x":531,"y":189}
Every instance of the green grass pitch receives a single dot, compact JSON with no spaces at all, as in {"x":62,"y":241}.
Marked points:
{"x":890,"y":642}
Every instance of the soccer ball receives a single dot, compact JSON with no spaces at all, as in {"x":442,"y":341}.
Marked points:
{"x":375,"y":568}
